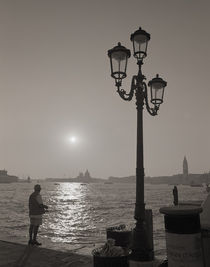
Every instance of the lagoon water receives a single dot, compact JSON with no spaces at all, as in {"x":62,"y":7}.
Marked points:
{"x":80,"y":213}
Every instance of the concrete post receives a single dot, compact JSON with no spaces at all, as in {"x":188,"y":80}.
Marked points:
{"x":183,"y":236}
{"x":205,"y":230}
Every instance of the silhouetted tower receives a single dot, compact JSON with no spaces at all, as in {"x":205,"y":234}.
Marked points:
{"x":87,"y":174}
{"x":185,"y":168}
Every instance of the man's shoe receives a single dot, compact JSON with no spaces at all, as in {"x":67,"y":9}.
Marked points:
{"x":35,"y":242}
{"x":31,"y":242}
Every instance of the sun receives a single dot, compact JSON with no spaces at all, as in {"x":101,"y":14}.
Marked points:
{"x":73,"y":139}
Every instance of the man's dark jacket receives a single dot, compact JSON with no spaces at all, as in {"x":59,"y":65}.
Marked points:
{"x":34,"y":207}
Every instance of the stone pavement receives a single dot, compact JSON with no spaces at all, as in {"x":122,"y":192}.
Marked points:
{"x":19,"y":255}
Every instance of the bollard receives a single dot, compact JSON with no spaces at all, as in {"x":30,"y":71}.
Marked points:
{"x":183,"y":236}
{"x":205,"y":230}
{"x":206,"y":246}
{"x":175,"y":194}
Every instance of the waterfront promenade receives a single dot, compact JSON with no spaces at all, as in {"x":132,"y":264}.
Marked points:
{"x":19,"y":255}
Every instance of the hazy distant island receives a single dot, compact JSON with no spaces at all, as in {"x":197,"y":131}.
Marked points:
{"x":6,"y":178}
{"x":81,"y":178}
{"x":184,"y":178}
{"x":191,"y":179}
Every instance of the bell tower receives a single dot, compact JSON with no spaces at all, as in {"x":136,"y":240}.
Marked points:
{"x":185,"y":168}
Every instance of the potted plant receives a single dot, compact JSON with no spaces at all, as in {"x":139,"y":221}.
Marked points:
{"x":110,"y":255}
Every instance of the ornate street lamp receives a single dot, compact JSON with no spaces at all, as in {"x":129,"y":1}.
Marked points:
{"x":140,"y":41}
{"x":118,"y":60}
{"x":119,"y":55}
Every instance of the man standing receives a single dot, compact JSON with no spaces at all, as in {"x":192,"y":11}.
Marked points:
{"x":36,"y":209}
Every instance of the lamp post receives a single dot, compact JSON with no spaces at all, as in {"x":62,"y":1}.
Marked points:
{"x":118,"y":60}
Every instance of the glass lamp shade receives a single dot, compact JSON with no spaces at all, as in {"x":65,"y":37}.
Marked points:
{"x":140,"y":40}
{"x":157,"y":86}
{"x":118,"y":60}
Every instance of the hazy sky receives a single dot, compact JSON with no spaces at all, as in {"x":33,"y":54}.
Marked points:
{"x":55,"y":84}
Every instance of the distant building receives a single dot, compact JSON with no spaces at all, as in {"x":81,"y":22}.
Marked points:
{"x":5,"y":178}
{"x":185,"y":168}
{"x":186,"y":178}
{"x":86,"y":175}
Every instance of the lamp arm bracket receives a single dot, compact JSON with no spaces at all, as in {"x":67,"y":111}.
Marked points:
{"x":128,"y":96}
{"x":152,"y":111}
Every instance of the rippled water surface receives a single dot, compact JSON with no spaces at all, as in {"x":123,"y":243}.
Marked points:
{"x":80,"y":213}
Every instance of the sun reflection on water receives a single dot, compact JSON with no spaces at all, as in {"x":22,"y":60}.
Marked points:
{"x":71,"y":212}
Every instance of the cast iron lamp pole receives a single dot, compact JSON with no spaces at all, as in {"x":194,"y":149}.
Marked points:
{"x":118,"y":59}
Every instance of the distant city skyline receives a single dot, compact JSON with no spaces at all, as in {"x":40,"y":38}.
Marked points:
{"x":59,"y":110}
{"x":85,"y":173}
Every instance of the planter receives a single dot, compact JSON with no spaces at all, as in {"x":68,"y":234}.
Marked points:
{"x":122,"y":238}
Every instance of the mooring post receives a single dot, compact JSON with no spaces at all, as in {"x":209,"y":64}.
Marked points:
{"x":175,"y":194}
{"x":183,"y":236}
